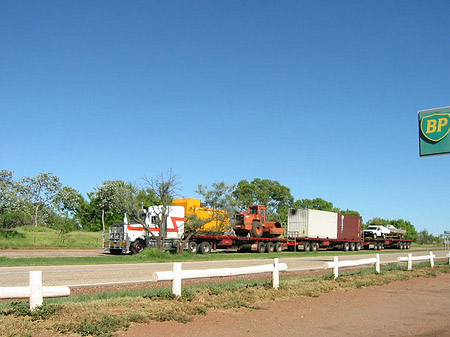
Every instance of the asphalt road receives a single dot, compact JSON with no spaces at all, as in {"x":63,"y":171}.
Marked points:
{"x":89,"y":275}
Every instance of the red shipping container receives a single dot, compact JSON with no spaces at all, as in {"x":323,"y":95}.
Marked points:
{"x":349,"y":227}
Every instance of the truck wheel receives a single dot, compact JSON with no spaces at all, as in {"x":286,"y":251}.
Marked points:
{"x":314,"y":247}
{"x":261,"y":247}
{"x":352,"y":246}
{"x":345,"y":247}
{"x":307,"y":247}
{"x":269,"y":247}
{"x":137,"y":246}
{"x":278,"y":247}
{"x":192,"y":247}
{"x":358,"y":246}
{"x":205,"y":247}
{"x":257,"y":229}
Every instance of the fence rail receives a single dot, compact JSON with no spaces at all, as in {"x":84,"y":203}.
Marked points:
{"x":411,"y":258}
{"x":177,"y":274}
{"x":35,"y":292}
{"x":336,"y":264}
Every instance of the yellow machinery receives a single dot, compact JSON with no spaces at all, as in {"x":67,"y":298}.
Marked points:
{"x":193,"y":206}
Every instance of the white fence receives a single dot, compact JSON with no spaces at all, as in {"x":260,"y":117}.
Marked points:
{"x":176,"y":275}
{"x":336,"y":264}
{"x":411,"y":258}
{"x":35,"y":292}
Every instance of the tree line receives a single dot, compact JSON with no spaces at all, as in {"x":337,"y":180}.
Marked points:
{"x":44,"y":201}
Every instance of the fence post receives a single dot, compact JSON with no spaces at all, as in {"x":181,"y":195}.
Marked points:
{"x":276,"y":274}
{"x":409,"y":261}
{"x":176,"y":283}
{"x":36,"y":294}
{"x":336,"y":268}
{"x":431,"y":259}
{"x":377,"y":264}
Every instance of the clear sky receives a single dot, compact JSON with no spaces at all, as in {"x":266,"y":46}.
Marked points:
{"x":321,"y":96}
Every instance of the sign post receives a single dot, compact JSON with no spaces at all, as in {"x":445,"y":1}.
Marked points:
{"x":446,"y":237}
{"x":434,"y":128}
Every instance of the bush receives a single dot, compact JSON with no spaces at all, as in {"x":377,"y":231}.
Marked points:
{"x":11,"y":234}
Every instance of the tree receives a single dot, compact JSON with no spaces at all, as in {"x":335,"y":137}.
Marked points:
{"x":317,"y":203}
{"x":67,"y":200}
{"x":221,"y":205}
{"x":165,"y":187}
{"x":11,"y":202}
{"x":40,"y":191}
{"x":424,"y":237}
{"x":8,"y":191}
{"x":276,"y":197}
{"x":113,"y":198}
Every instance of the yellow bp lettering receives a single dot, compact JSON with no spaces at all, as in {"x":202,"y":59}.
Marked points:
{"x":431,"y":126}
{"x":441,"y":123}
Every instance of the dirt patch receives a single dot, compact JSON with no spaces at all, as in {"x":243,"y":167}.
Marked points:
{"x":418,"y":307}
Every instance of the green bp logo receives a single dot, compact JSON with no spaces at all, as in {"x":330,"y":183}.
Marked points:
{"x":435,"y":127}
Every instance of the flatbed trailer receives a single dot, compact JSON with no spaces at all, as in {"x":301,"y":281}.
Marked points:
{"x":204,"y":244}
{"x":389,"y":243}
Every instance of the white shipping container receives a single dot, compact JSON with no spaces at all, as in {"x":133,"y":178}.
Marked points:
{"x":312,"y":223}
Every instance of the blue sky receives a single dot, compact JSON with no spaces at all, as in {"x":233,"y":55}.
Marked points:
{"x":321,"y":96}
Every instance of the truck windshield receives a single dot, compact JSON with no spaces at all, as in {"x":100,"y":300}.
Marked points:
{"x":253,"y":210}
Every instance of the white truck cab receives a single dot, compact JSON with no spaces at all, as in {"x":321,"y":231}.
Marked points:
{"x":376,"y":232}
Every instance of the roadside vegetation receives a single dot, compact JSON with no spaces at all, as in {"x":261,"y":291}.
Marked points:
{"x":105,"y":313}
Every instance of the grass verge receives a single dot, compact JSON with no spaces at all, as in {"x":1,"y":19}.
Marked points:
{"x":42,"y":237}
{"x":105,"y":313}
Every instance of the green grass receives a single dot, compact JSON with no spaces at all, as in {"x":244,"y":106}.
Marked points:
{"x":105,"y":313}
{"x":41,"y":237}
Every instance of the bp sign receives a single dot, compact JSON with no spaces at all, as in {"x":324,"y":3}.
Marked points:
{"x":434,"y":127}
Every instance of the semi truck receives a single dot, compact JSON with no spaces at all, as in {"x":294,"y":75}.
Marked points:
{"x":306,"y":230}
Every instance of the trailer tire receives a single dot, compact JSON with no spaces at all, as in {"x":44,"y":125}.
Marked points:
{"x":257,"y":229}
{"x":278,"y":247}
{"x":204,"y":247}
{"x":314,"y":247}
{"x":137,"y":246}
{"x":345,"y":246}
{"x":269,"y":247}
{"x":307,"y":247}
{"x":192,"y":247}
{"x":261,"y":248}
{"x":352,"y":246}
{"x":358,"y":246}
